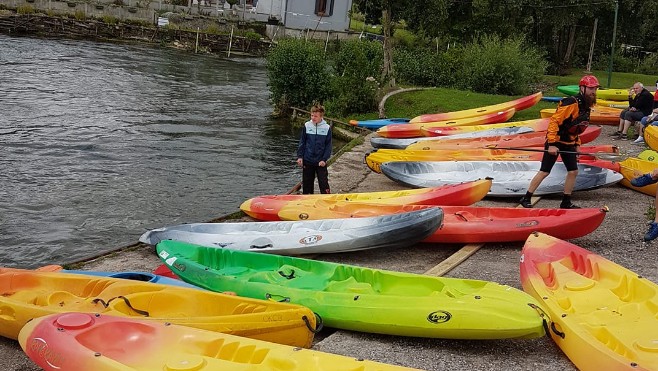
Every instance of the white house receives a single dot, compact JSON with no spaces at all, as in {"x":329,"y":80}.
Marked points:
{"x":321,"y":15}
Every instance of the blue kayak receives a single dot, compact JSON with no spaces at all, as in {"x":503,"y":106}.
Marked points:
{"x":376,"y":124}
{"x":136,"y":276}
{"x":552,"y":99}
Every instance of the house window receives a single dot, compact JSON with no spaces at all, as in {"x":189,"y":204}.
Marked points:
{"x":324,"y":8}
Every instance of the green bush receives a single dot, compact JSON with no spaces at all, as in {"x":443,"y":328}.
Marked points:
{"x":499,"y":66}
{"x":357,"y":66}
{"x":426,"y":67}
{"x":25,"y":9}
{"x":620,"y":63}
{"x":298,"y":74}
{"x":649,"y":65}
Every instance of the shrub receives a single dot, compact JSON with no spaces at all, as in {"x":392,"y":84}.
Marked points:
{"x":649,"y":65}
{"x":80,"y":15}
{"x":620,"y":63}
{"x":496,"y":66}
{"x":357,"y":65}
{"x":426,"y":67}
{"x":25,"y":9}
{"x":298,"y":74}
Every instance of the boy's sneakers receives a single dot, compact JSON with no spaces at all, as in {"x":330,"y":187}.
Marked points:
{"x":643,"y":181}
{"x":652,"y":233}
{"x":569,"y":206}
{"x":525,"y":203}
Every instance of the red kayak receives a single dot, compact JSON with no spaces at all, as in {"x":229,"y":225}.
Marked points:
{"x":467,"y":193}
{"x":466,"y":224}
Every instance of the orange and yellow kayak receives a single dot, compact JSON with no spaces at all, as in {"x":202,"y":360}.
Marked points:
{"x":467,"y":193}
{"x":633,"y":167}
{"x":414,"y":129}
{"x":598,"y":115}
{"x":465,"y":224}
{"x":602,"y":315}
{"x":518,"y":104}
{"x":534,"y":139}
{"x":437,"y":131}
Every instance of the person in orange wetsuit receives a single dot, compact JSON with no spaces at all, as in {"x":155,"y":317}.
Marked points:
{"x":562,"y":138}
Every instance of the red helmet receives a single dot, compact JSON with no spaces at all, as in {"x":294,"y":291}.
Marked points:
{"x":589,"y":81}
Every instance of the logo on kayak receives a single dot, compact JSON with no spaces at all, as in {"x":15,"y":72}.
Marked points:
{"x":303,"y":216}
{"x":529,"y":223}
{"x":40,"y":348}
{"x":440,"y":316}
{"x":310,"y":240}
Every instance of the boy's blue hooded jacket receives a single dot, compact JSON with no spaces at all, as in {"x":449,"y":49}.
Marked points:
{"x":315,"y":143}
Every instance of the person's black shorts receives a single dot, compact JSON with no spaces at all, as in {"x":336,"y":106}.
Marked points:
{"x":629,"y":115}
{"x":570,"y":160}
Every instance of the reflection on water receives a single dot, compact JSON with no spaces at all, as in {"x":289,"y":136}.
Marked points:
{"x":101,"y":142}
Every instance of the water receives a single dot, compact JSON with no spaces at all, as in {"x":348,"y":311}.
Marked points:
{"x":101,"y":142}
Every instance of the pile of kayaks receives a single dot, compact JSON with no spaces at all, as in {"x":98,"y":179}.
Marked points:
{"x":236,"y":295}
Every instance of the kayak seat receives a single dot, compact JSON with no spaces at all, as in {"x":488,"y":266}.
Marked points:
{"x":350,"y":285}
{"x":309,"y":281}
{"x":57,"y":298}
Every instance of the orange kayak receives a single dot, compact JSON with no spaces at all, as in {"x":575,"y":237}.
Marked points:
{"x":376,"y":158}
{"x":465,"y":224}
{"x":598,"y":115}
{"x":518,"y":104}
{"x":534,"y":139}
{"x":467,"y":193}
{"x":414,"y":129}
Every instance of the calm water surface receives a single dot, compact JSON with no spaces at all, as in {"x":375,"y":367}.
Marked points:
{"x":100,"y":142}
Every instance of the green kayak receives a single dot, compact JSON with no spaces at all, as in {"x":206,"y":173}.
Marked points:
{"x":568,"y":89}
{"x":363,"y":299}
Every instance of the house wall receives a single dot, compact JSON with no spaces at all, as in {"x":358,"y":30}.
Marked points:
{"x":300,"y":14}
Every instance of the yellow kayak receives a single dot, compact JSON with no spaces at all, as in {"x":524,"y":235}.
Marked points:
{"x":634,"y":167}
{"x":612,"y":103}
{"x":84,"y":342}
{"x":598,"y":115}
{"x":651,"y":137}
{"x":25,"y":295}
{"x":602,"y":315}
{"x":649,"y":155}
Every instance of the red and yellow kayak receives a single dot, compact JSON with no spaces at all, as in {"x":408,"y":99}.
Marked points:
{"x":518,"y":104}
{"x":534,"y":139}
{"x":465,"y":224}
{"x":84,"y":342}
{"x":602,"y":315}
{"x":467,"y":193}
{"x":598,"y":115}
{"x":376,"y":158}
{"x":414,"y":129}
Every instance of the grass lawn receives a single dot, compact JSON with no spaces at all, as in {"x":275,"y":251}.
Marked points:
{"x":414,"y":103}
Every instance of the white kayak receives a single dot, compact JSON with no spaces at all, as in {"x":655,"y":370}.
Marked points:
{"x":307,"y":236}
{"x":402,"y":143}
{"x":510,"y":178}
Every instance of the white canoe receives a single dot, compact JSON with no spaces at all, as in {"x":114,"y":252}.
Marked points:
{"x":307,"y":236}
{"x":402,"y":143}
{"x":510,"y":178}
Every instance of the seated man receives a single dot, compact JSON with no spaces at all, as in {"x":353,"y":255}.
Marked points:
{"x":651,"y":119}
{"x":643,"y":181}
{"x":640,"y":102}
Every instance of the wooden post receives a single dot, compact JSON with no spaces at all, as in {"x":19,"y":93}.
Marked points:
{"x":196,"y":47}
{"x":591,"y":46}
{"x":230,"y":42}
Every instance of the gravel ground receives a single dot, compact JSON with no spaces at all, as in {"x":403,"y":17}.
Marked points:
{"x":619,"y":239}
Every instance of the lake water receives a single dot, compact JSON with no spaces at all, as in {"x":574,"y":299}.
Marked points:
{"x":101,"y":142}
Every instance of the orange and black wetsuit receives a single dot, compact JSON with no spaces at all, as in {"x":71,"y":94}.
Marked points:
{"x":569,"y":120}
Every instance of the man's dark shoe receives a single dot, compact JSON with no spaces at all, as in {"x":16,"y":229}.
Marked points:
{"x":652,"y":233}
{"x":526,"y":203}
{"x":569,"y":206}
{"x":616,"y":134}
{"x":643,"y":181}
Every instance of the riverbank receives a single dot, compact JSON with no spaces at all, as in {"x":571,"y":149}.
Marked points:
{"x":619,"y":239}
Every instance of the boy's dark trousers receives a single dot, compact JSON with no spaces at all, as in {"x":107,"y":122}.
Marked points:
{"x":308,"y":179}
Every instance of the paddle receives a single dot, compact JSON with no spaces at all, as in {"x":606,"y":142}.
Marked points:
{"x":598,"y":155}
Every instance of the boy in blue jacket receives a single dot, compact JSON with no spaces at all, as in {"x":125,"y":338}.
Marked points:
{"x":314,"y":151}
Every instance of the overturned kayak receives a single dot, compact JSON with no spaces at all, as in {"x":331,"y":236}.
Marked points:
{"x":509,"y":178}
{"x":363,"y":299}
{"x":602,"y":315}
{"x":466,"y":224}
{"x":83,"y":342}
{"x":464,"y":193}
{"x":30,"y":294}
{"x":307,"y":236}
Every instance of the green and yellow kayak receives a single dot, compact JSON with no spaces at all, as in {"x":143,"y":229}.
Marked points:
{"x":363,"y":299}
